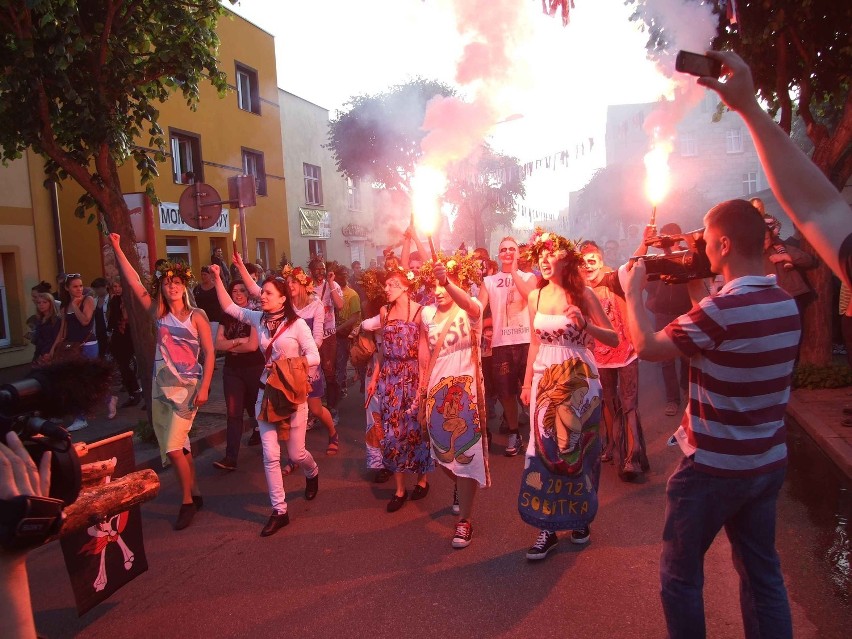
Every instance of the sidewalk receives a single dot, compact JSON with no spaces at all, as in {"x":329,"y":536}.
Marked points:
{"x":818,"y":412}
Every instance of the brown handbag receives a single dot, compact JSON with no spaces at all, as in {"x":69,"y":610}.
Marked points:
{"x":67,"y":350}
{"x":363,"y":347}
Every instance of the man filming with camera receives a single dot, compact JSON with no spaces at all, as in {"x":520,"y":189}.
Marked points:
{"x":741,"y":344}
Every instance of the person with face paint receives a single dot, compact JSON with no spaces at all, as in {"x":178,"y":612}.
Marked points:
{"x":282,"y":334}
{"x":619,"y":372}
{"x":506,"y":293}
{"x":183,"y":367}
{"x":559,"y":485}
{"x":404,"y":446}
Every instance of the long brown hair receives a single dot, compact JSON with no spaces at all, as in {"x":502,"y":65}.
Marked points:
{"x":574,"y":282}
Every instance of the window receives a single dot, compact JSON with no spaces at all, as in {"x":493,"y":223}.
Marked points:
{"x":688,"y":145}
{"x":749,"y":182}
{"x":177,"y":250}
{"x":316,"y":248}
{"x":5,"y":339}
{"x":734,"y":141}
{"x":353,"y":190}
{"x":265,"y":252}
{"x":248,"y":97}
{"x":253,"y":165}
{"x":186,"y":158}
{"x":313,"y":184}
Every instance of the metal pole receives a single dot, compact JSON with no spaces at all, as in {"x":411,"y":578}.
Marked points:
{"x":243,"y":232}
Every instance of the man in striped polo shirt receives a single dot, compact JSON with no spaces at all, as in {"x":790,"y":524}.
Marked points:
{"x":741,"y":344}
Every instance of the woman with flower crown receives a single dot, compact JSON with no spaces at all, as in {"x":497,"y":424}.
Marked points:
{"x":562,"y":470}
{"x":183,"y":368}
{"x":452,"y":384}
{"x":395,"y":381}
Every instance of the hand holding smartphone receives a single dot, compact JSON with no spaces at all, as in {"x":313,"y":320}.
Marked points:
{"x":697,"y":64}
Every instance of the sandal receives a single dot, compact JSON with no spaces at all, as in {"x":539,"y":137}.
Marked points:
{"x":289,"y":469}
{"x":333,"y":444}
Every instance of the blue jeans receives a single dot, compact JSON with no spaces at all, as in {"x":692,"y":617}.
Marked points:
{"x":698,"y":505}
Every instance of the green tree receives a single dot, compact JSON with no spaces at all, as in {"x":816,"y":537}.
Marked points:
{"x":801,"y":60}
{"x":377,"y":138}
{"x":484,"y":189}
{"x":80,"y":86}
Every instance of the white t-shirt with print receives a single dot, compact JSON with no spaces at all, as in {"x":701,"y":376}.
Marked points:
{"x":509,"y":315}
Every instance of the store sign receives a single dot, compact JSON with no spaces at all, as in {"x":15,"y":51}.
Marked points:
{"x":315,"y":223}
{"x":170,"y":220}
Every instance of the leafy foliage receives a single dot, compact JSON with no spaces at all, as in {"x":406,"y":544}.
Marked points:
{"x":484,"y":189}
{"x":794,"y":48}
{"x":835,"y":375}
{"x":378,"y":136}
{"x":82,"y":81}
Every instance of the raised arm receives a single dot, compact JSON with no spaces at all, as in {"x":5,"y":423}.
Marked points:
{"x":130,"y":277}
{"x":526,"y":285}
{"x":251,"y":286}
{"x":225,"y":300}
{"x":804,"y":192}
{"x":458,"y":294}
{"x":650,"y":345}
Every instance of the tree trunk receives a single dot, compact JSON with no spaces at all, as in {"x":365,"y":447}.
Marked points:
{"x":819,"y":314}
{"x":117,"y":217}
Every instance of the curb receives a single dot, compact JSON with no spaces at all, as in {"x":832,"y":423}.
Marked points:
{"x":199,"y":445}
{"x":833,"y":442}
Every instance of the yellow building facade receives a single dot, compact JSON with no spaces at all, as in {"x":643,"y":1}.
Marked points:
{"x":235,"y":135}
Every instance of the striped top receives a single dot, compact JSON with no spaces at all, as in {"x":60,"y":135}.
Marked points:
{"x":742,"y":343}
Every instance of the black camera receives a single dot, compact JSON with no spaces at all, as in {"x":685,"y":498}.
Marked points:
{"x":31,"y":408}
{"x":688,"y":262}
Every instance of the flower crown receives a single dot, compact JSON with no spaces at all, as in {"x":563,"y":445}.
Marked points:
{"x":170,"y":269}
{"x":554,"y":243}
{"x":298,"y":274}
{"x":462,"y":267}
{"x":371,"y":281}
{"x":407,"y":275}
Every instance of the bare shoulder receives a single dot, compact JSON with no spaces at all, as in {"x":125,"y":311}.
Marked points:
{"x":199,"y":315}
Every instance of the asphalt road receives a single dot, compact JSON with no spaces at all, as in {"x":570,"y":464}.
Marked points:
{"x":344,"y":567}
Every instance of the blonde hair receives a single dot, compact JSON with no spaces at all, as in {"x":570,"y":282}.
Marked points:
{"x":51,"y":313}
{"x":162,"y":304}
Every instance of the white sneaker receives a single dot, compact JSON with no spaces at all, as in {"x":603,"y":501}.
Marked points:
{"x":78,"y":424}
{"x":112,"y":407}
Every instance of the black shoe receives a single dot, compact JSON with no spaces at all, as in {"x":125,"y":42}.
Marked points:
{"x":225,"y":464}
{"x":198,"y":500}
{"x":276,"y":522}
{"x":382,"y":476}
{"x":543,"y":545}
{"x":581,"y":536}
{"x":185,"y":515}
{"x":254,"y":438}
{"x":133,"y":400}
{"x":311,"y":487}
{"x":397,"y":502}
{"x":419,"y":492}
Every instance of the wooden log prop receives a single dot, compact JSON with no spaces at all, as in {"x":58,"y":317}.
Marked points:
{"x":93,"y":474}
{"x":101,"y":502}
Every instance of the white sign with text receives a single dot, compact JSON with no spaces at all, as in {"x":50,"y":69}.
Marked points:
{"x":170,"y":220}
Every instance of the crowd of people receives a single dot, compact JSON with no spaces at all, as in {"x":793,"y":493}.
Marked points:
{"x":549,"y":329}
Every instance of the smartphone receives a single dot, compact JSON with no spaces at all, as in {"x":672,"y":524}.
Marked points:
{"x":697,"y":64}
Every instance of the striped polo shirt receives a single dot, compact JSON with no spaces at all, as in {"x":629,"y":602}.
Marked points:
{"x":741,"y":344}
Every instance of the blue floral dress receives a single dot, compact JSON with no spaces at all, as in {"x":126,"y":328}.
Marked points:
{"x":404,"y":445}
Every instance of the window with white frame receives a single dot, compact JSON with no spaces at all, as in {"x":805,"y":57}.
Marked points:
{"x":177,"y":250}
{"x":253,"y":165}
{"x":750,"y":183}
{"x":734,"y":141}
{"x":248,"y":96}
{"x":313,"y":184}
{"x":688,"y":144}
{"x":353,"y":192}
{"x":186,"y":158}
